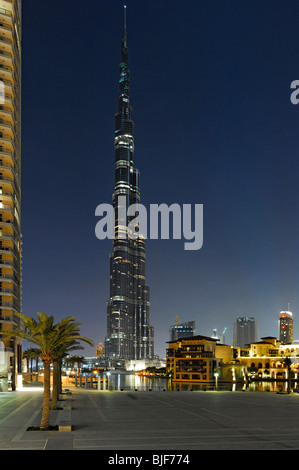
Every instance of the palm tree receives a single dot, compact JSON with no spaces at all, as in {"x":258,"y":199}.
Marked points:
{"x":57,"y":360}
{"x":36,"y":355}
{"x":72,"y":360}
{"x":31,"y":354}
{"x":42,"y":334}
{"x":69,"y":333}
{"x":48,"y":338}
{"x":76,"y":360}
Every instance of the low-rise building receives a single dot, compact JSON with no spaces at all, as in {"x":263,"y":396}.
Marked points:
{"x":266,"y":359}
{"x":200,"y":359}
{"x":192,"y":359}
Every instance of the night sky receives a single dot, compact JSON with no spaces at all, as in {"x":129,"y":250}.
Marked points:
{"x":214,"y":125}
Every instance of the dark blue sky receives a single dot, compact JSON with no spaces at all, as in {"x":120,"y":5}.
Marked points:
{"x":214,"y":125}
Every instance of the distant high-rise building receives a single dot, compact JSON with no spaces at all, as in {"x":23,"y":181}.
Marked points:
{"x":100,"y":350}
{"x":286,"y":327}
{"x":10,"y":188}
{"x":245,"y":331}
{"x":129,"y":332}
{"x":182,"y":330}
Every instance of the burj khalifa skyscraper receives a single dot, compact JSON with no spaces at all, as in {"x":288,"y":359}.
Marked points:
{"x":129,"y":333}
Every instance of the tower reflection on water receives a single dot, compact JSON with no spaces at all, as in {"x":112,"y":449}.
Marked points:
{"x":133,"y":382}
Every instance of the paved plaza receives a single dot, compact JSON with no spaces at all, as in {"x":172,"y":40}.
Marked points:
{"x":155,"y":421}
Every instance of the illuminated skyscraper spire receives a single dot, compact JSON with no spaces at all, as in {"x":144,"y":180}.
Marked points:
{"x":125,"y":24}
{"x":129,"y":334}
{"x":124,"y":49}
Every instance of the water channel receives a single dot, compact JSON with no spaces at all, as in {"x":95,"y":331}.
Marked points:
{"x":129,"y":382}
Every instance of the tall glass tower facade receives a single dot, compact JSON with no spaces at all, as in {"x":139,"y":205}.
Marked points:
{"x":129,"y":333}
{"x":286,"y":327}
{"x":10,"y":188}
{"x":245,"y":331}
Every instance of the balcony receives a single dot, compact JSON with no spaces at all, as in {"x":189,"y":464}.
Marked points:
{"x":10,"y":250}
{"x":6,"y":112}
{"x":6,"y":291}
{"x":9,"y":319}
{"x":4,"y":37}
{"x":191,"y":354}
{"x":6,"y":305}
{"x":6,"y":179}
{"x":10,"y":88}
{"x":6,"y":196}
{"x":6,"y":58}
{"x":6,"y":140}
{"x":9,"y":103}
{"x":7,"y":44}
{"x":8,"y":154}
{"x":6,"y":30}
{"x":8,"y":182}
{"x":4,"y":208}
{"x":6,"y":17}
{"x":6,"y":74}
{"x":6,"y":235}
{"x":6,"y":224}
{"x":7,"y":278}
{"x":6,"y":263}
{"x":8,"y":167}
{"x":7,"y":185}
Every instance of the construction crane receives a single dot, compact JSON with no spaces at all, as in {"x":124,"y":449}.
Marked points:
{"x":222,"y":337}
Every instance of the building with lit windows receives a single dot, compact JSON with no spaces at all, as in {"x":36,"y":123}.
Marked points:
{"x":129,"y":332}
{"x":10,"y":188}
{"x":181,"y":330}
{"x":192,"y":359}
{"x":286,"y":327}
{"x":265,"y":359}
{"x":198,"y":359}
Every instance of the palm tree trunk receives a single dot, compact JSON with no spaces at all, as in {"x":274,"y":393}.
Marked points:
{"x":46,"y":399}
{"x":55,"y":385}
{"x":59,"y":376}
{"x":78,"y":363}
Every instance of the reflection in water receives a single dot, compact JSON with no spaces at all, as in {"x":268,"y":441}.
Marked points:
{"x":122,"y":381}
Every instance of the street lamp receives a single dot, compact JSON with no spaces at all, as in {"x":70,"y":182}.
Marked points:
{"x":216,"y":374}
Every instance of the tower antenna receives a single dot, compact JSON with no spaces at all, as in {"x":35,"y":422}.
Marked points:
{"x":125,"y":23}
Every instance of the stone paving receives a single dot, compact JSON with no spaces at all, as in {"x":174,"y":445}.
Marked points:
{"x":154,"y":421}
